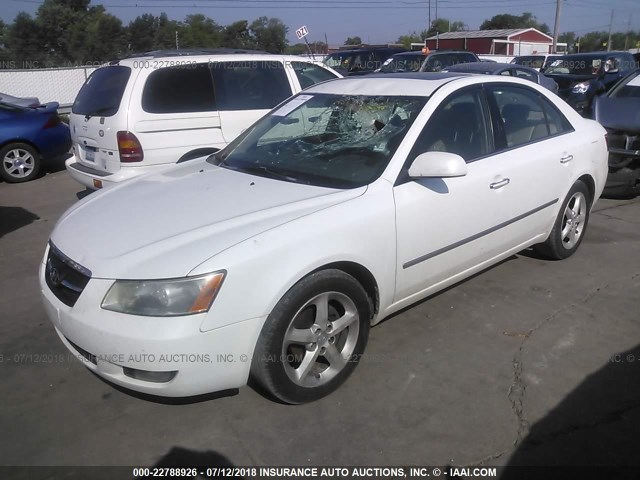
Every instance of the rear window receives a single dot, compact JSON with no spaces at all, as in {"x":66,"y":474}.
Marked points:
{"x":309,"y":74}
{"x":102,"y":92}
{"x":250,"y":85}
{"x":437,"y":62}
{"x":179,"y":90}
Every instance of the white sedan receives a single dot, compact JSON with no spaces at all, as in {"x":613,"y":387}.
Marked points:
{"x":345,"y":204}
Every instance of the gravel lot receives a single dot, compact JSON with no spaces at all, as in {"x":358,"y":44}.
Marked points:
{"x":531,"y":362}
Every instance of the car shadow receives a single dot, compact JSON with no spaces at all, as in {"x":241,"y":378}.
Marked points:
{"x":179,"y":457}
{"x":55,"y":164}
{"x":596,"y":426}
{"x":14,"y":218}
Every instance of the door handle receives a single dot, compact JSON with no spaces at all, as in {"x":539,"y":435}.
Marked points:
{"x":500,"y":184}
{"x":566,"y":158}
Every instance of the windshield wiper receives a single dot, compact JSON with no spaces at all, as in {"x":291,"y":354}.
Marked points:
{"x":97,"y":112}
{"x":264,"y":171}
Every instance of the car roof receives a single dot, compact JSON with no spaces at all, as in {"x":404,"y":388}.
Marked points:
{"x":413,"y":84}
{"x":207,"y":57}
{"x":594,"y":54}
{"x":415,"y":53}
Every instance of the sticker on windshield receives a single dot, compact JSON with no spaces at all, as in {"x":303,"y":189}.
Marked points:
{"x":289,"y":107}
{"x":635,"y":82}
{"x":556,"y":63}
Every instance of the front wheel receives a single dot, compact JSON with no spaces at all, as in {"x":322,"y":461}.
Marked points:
{"x":314,"y":337}
{"x":568,"y":230}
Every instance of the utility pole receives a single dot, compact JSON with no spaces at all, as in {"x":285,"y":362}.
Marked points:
{"x":610,"y":27}
{"x":177,"y":44}
{"x":436,"y":9}
{"x":556,"y":27}
{"x":626,"y":39}
{"x":429,"y":26}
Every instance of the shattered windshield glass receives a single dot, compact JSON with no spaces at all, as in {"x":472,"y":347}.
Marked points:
{"x":338,"y":141}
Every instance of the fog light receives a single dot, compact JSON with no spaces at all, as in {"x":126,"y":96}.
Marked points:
{"x":147,"y":376}
{"x":97,"y":183}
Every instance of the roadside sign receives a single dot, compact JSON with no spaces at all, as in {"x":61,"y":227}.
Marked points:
{"x":302,"y":32}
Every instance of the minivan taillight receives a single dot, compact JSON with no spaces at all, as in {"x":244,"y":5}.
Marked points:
{"x":129,"y":147}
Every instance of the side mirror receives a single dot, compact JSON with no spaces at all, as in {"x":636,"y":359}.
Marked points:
{"x":438,"y":165}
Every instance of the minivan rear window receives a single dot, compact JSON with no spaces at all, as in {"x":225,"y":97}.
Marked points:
{"x":102,"y":93}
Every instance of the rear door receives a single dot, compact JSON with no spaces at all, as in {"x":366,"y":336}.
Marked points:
{"x":99,"y":111}
{"x":247,"y":90}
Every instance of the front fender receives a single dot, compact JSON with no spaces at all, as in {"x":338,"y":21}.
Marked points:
{"x":263,"y":268}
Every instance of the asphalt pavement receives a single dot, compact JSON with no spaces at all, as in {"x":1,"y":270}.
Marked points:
{"x":531,"y":362}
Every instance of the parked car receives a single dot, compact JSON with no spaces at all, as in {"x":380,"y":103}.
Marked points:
{"x":583,"y":76}
{"x":619,"y":112}
{"x":491,"y":68}
{"x":347,"y":203}
{"x":29,"y":137}
{"x":433,"y":61}
{"x":19,"y":101}
{"x":537,"y":62}
{"x":141,"y":114}
{"x":359,"y":61}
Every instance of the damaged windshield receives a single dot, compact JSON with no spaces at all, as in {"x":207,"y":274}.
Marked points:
{"x":338,"y":141}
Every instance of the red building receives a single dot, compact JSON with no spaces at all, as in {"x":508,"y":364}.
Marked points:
{"x":514,"y":41}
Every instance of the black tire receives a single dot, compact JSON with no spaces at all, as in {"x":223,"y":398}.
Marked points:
{"x":294,"y":336}
{"x":570,"y":226}
{"x":19,"y":163}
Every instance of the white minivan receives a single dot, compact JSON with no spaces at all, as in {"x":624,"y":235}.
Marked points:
{"x":144,"y":113}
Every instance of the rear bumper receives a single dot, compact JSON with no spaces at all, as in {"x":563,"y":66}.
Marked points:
{"x":90,"y":177}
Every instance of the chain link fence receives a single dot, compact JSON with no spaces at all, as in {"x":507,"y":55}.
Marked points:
{"x":48,"y":84}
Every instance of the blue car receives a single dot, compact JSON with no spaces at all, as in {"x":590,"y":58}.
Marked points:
{"x":30,"y":136}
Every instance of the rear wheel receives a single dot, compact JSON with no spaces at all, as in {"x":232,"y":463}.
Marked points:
{"x":20,"y":163}
{"x":568,"y":230}
{"x":314,"y":337}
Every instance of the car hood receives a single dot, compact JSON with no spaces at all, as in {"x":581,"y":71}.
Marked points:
{"x":618,"y":113}
{"x":166,"y":224}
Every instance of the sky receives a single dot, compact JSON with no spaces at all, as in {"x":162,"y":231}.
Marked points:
{"x":374,"y":21}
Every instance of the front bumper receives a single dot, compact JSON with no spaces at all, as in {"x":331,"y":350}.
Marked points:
{"x":91,"y":178}
{"x":161,"y":356}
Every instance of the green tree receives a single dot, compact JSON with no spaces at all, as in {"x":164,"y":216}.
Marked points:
{"x":24,"y":42}
{"x":353,"y":41}
{"x":237,"y":35}
{"x":269,"y":34}
{"x":407,"y":40}
{"x":504,"y":20}
{"x":106,"y":38}
{"x":442,"y":25}
{"x":199,"y":31}
{"x":165,"y":33}
{"x":141,"y":33}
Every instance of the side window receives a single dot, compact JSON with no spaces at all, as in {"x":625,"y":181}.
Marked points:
{"x":526,"y":116}
{"x":179,"y":90}
{"x":309,"y":74}
{"x":458,"y":126}
{"x":558,"y":123}
{"x":520,"y":73}
{"x":250,"y":85}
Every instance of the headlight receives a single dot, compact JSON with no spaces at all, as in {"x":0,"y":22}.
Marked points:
{"x":164,"y":298}
{"x":580,"y":87}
